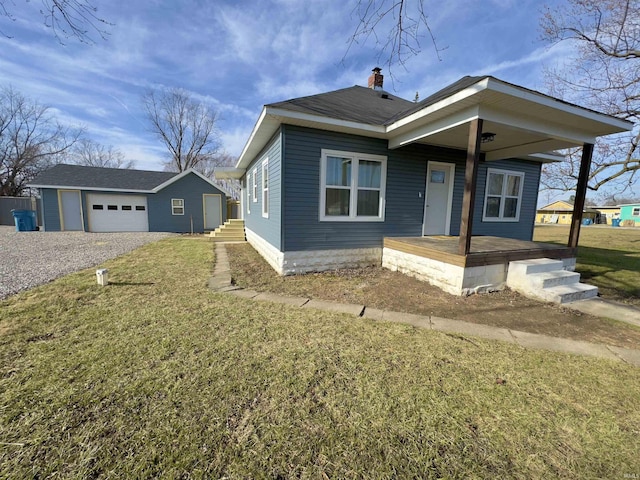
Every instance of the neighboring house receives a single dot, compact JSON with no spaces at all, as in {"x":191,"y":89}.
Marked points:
{"x":359,"y":176}
{"x":561,"y":212}
{"x":94,"y":199}
{"x":630,"y":213}
{"x":608,"y":213}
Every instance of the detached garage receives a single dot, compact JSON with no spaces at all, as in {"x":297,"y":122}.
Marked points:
{"x":96,"y":199}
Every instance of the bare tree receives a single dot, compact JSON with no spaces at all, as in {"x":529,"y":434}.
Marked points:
{"x":396,"y":26}
{"x":185,"y":125}
{"x":93,"y":154}
{"x":603,"y":74}
{"x":67,"y":19}
{"x":30,"y":141}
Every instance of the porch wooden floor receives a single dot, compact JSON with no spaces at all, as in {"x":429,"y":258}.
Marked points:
{"x":485,"y":250}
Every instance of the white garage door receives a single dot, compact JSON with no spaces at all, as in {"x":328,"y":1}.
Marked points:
{"x":117,"y":213}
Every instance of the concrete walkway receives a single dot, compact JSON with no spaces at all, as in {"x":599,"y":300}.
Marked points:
{"x":221,"y":282}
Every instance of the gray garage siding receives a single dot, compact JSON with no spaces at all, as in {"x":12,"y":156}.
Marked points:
{"x":50,"y":209}
{"x":190,"y":188}
{"x":267,"y":228}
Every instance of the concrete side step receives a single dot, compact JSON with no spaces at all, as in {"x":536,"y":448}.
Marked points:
{"x":535,"y":265}
{"x":569,"y":293}
{"x":553,"y":279}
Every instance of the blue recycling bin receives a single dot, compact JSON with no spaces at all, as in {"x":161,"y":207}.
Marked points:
{"x":25,"y":220}
{"x":615,"y":222}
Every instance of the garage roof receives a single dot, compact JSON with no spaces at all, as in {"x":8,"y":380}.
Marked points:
{"x":110,"y":179}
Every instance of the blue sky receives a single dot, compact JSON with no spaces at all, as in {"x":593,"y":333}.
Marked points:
{"x":240,"y":55}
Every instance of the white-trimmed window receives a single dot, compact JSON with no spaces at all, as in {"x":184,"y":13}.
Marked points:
{"x":177,"y":206}
{"x":352,"y":186}
{"x":265,"y":188}
{"x":636,"y":212}
{"x":503,"y":196}
{"x":248,"y":192}
{"x":254,"y":187}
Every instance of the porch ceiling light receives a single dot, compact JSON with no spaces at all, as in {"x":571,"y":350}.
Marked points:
{"x":487,"y":137}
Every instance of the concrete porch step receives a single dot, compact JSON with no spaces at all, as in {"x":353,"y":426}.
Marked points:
{"x":569,"y":293}
{"x":535,"y":265}
{"x":553,"y":279}
{"x":546,"y":279}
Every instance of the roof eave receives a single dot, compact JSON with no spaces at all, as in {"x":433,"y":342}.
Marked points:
{"x":272,"y":117}
{"x":95,"y":189}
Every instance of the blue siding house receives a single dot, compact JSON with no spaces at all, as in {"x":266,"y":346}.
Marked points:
{"x":343,"y":178}
{"x":94,"y":199}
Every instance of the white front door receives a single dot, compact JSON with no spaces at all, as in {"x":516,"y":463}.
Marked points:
{"x":70,"y":210}
{"x":117,"y":213}
{"x":438,"y":198}
{"x":212,"y":211}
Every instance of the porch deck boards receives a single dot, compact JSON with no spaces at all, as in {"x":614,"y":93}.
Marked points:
{"x":485,"y":250}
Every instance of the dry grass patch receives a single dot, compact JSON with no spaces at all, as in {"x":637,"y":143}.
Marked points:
{"x":381,"y":288}
{"x":155,"y":376}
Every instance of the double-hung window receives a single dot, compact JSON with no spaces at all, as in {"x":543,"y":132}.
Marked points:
{"x":254,"y":187}
{"x":635,"y":212}
{"x":265,"y":188}
{"x":503,"y":195}
{"x":177,"y":206}
{"x":248,"y":182}
{"x":352,"y":186}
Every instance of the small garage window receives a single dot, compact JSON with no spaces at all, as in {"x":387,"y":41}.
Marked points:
{"x":177,"y":206}
{"x":98,"y":207}
{"x":140,"y":208}
{"x":126,"y":207}
{"x":112,"y":207}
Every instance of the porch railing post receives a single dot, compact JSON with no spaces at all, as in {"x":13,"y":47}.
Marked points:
{"x":581,"y":193}
{"x":470,"y":183}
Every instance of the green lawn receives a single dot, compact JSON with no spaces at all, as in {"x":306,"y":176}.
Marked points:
{"x":607,"y":257}
{"x":157,"y":376}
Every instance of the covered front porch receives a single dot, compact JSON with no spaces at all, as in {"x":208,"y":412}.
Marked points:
{"x":437,"y":260}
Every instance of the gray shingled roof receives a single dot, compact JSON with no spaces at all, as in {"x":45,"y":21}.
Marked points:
{"x":447,"y":91}
{"x":356,"y":104}
{"x":96,"y":177}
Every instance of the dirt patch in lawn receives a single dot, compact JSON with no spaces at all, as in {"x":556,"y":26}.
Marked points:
{"x":380,"y":288}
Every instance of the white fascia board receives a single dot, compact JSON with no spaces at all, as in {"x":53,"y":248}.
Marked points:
{"x":446,"y":102}
{"x":275,"y":115}
{"x":93,"y":189}
{"x":228,"y":173}
{"x":432,"y":128}
{"x":184,"y":174}
{"x":566,"y":133}
{"x":548,"y":157}
{"x":520,"y":150}
{"x":541,"y":99}
{"x":242,"y":158}
{"x":333,"y":122}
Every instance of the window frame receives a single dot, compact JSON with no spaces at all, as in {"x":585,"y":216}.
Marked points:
{"x":503,"y":196}
{"x":265,"y":187}
{"x":353,"y":188}
{"x":174,"y":206}
{"x":248,"y":193}
{"x":635,"y":211}
{"x":254,"y":186}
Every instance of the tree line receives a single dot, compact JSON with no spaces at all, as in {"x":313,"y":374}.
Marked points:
{"x":602,"y":72}
{"x":32,"y":139}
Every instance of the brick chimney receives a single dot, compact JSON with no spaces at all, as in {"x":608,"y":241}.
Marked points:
{"x":376,"y":78}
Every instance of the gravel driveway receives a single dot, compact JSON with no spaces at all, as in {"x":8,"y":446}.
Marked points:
{"x":28,"y":259}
